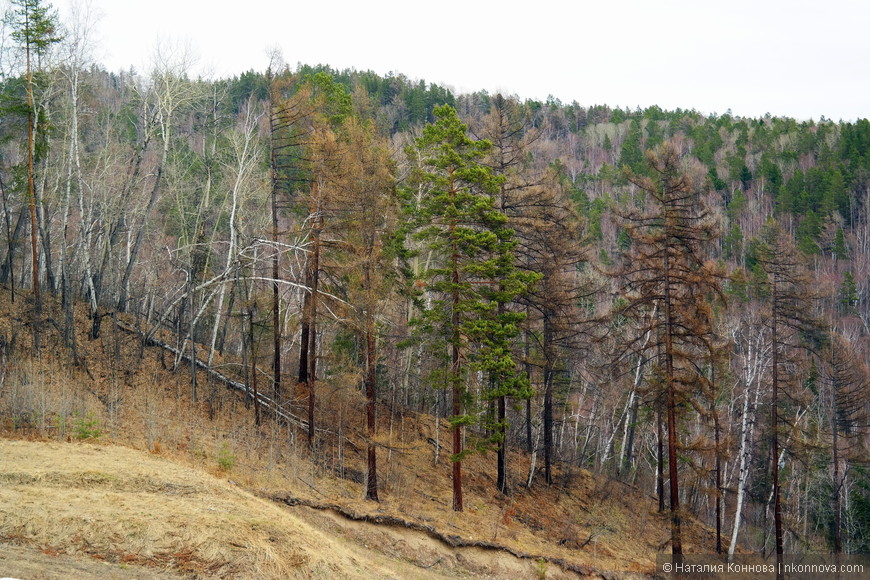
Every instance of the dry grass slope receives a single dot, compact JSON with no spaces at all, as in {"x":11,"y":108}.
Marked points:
{"x":132,"y":510}
{"x":164,"y":491}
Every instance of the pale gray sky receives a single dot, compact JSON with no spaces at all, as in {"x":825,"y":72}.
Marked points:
{"x":787,"y":57}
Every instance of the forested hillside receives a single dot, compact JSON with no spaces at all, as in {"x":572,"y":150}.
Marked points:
{"x":676,"y":300}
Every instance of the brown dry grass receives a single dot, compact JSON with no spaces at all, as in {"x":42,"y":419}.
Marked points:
{"x":129,"y":508}
{"x":175,"y":510}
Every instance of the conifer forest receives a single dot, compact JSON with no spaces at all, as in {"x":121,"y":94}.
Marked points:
{"x":675,"y":300}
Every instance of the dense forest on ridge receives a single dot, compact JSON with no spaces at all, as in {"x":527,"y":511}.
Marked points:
{"x":677,"y":300}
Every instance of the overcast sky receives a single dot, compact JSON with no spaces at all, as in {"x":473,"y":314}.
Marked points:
{"x":787,"y":57}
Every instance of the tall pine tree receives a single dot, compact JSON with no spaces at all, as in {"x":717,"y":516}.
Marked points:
{"x":468,"y":270}
{"x":35,"y":29}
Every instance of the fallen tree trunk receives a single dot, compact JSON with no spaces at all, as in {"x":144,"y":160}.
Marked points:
{"x":263,"y":400}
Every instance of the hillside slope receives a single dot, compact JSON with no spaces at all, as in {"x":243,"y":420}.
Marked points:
{"x":137,"y":515}
{"x":176,"y":486}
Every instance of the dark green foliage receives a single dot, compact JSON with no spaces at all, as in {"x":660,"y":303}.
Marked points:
{"x":819,"y":189}
{"x":631,"y":155}
{"x":738,"y":287}
{"x":419,"y":97}
{"x":34,"y":25}
{"x":655,"y":135}
{"x":13,"y":104}
{"x":34,"y":28}
{"x":737,"y":169}
{"x":473,"y":269}
{"x":736,"y":205}
{"x":808,"y":232}
{"x":854,"y":152}
{"x":382,"y":89}
{"x":859,"y":516}
{"x":839,"y":249}
{"x":772,"y":175}
{"x":581,"y":199}
{"x":732,"y":243}
{"x":745,"y":177}
{"x":334,"y":99}
{"x":848,"y":295}
{"x":469,"y":272}
{"x":593,"y":217}
{"x":790,"y":196}
{"x":717,"y":183}
{"x":618,"y":116}
{"x":623,"y":240}
{"x":707,"y":141}
{"x":415,"y":101}
{"x":248,"y":85}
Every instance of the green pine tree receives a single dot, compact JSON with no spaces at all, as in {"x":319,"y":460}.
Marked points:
{"x":469,"y":268}
{"x":732,"y":243}
{"x":848,"y":294}
{"x":34,"y":28}
{"x":631,"y":155}
{"x":839,"y":249}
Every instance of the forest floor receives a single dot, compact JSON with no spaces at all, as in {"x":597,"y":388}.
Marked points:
{"x":111,"y":469}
